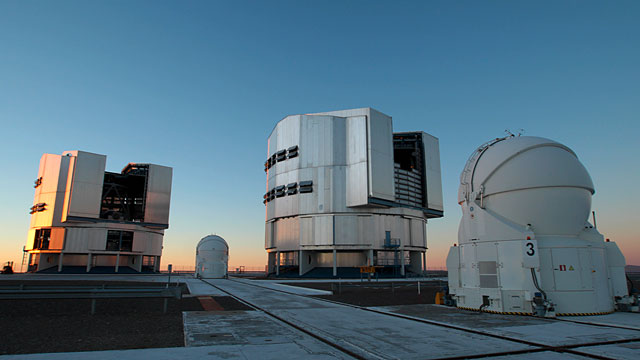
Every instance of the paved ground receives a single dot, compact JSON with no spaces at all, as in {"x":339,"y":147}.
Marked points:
{"x":617,"y":319}
{"x":283,"y":287}
{"x":251,"y":335}
{"x":366,"y":333}
{"x":371,"y":334}
{"x":542,"y":331}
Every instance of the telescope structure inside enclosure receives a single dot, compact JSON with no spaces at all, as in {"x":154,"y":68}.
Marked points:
{"x":344,"y":191}
{"x":212,"y":257}
{"x":86,"y":219}
{"x":525,"y":243}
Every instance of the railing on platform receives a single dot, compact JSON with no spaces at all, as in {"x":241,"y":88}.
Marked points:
{"x":25,"y":292}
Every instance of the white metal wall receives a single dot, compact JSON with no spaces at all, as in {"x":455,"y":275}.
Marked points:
{"x":348,"y":155}
{"x":71,"y":187}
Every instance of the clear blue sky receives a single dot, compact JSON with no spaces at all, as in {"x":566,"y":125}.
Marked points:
{"x":199,"y":85}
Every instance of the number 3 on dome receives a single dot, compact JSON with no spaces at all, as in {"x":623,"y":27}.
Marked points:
{"x":530,"y":256}
{"x":531,"y":249}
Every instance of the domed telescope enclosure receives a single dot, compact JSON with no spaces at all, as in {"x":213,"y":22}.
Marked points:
{"x":525,"y":243}
{"x":212,"y":257}
{"x":343,"y":191}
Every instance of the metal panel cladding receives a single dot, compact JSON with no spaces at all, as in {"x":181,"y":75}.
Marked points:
{"x":331,"y":180}
{"x":158,"y":194}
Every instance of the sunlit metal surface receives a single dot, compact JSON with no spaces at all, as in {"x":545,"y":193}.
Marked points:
{"x":347,"y":161}
{"x":87,"y":218}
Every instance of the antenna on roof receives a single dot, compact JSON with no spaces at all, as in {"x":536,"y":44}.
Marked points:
{"x":510,"y":134}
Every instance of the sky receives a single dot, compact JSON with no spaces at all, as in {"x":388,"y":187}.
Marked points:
{"x":199,"y":85}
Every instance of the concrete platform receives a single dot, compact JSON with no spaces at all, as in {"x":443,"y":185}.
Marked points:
{"x":372,"y":333}
{"x":200,"y":288}
{"x":272,"y":351}
{"x":625,"y":320}
{"x":543,"y":355}
{"x":251,"y":335}
{"x":615,"y":351}
{"x":283,"y":287}
{"x":368,"y":334}
{"x":538,"y":330}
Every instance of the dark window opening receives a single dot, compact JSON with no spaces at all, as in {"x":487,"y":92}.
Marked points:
{"x":409,"y":172}
{"x":149,"y":262}
{"x":41,"y":239}
{"x":124,"y":195}
{"x":305,"y":187}
{"x":38,"y":207}
{"x":407,"y":151}
{"x":119,"y":240}
{"x":292,"y":151}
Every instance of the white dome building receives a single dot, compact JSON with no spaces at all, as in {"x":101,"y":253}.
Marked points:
{"x":212,"y":257}
{"x":524,"y":230}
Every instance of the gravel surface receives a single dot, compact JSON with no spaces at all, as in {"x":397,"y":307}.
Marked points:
{"x":65,"y":325}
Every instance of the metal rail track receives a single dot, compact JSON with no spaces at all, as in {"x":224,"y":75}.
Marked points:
{"x":539,"y":347}
{"x":417,"y":319}
{"x":314,"y":335}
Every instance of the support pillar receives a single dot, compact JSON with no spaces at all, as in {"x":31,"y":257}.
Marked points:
{"x":301,"y":264}
{"x":424,"y":261}
{"x":415,"y":262}
{"x":60,"y":261}
{"x":156,"y":264}
{"x":139,"y":267}
{"x":402,"y":262}
{"x":370,"y":258}
{"x":89,"y":259}
{"x":271,"y":262}
{"x":277,"y":263}
{"x":117,"y":262}
{"x":335,"y":262}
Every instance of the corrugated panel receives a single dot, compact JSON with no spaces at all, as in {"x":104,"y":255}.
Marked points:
{"x":84,"y":239}
{"x":44,"y":218}
{"x":344,"y":230}
{"x":287,"y":233}
{"x":380,"y":156}
{"x":84,"y":187}
{"x":323,"y":230}
{"x":30,"y":237}
{"x":357,"y":166}
{"x":158,"y":194}
{"x":56,"y":242}
{"x":432,"y":171}
{"x":306,"y":231}
{"x":268,"y":238}
{"x":141,"y":241}
{"x":155,"y":244}
{"x":418,"y":233}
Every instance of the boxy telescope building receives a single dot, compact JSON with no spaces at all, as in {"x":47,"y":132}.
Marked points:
{"x":344,"y":191}
{"x":84,"y":218}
